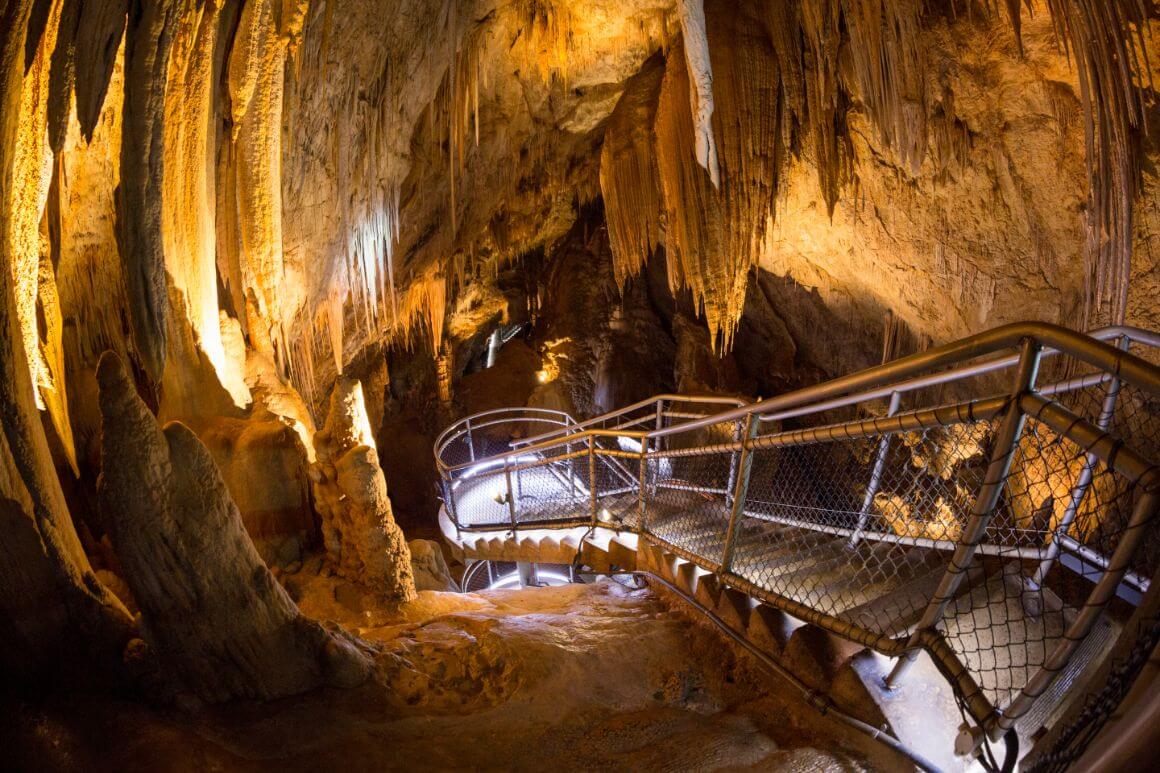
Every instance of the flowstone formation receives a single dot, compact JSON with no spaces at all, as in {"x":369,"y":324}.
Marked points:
{"x":210,"y":609}
{"x":350,"y":491}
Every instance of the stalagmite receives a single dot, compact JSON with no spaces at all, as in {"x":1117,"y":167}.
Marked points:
{"x":350,"y":492}
{"x":210,"y":608}
{"x":444,"y":374}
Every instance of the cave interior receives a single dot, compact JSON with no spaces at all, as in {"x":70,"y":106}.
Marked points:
{"x":597,"y":384}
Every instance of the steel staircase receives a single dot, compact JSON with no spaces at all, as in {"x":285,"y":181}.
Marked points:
{"x":987,"y":512}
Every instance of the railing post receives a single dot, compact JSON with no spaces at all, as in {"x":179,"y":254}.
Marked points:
{"x":470,"y":442}
{"x":571,"y":465}
{"x":741,"y":488}
{"x":511,"y":500}
{"x":875,"y":475}
{"x":592,"y":475}
{"x":734,"y":459}
{"x":986,"y":500}
{"x":642,"y":484}
{"x":1107,"y":410}
{"x":660,"y":423}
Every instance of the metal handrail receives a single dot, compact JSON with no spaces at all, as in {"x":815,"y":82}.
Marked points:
{"x":654,"y":400}
{"x":473,"y":422}
{"x":853,"y":389}
{"x":1114,"y":365}
{"x":860,"y":384}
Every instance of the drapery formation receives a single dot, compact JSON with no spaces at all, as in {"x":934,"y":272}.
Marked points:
{"x":784,"y":78}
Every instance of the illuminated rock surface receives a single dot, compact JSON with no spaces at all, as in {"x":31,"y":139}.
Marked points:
{"x":587,"y":676}
{"x":316,"y":232}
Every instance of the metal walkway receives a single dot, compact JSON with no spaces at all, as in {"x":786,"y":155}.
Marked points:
{"x":984,"y":501}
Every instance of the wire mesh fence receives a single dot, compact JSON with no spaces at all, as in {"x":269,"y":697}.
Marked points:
{"x":858,"y":521}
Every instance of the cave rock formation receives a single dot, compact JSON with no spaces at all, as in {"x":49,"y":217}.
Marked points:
{"x":350,"y":490}
{"x":210,"y":609}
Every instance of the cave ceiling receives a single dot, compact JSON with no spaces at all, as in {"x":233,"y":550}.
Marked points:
{"x":304,"y":179}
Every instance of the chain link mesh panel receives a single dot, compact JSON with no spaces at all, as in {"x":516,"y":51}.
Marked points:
{"x":862,"y":529}
{"x":1003,"y":625}
{"x":689,"y":501}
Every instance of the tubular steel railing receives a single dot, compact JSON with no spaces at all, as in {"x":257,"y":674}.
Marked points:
{"x":982,"y":501}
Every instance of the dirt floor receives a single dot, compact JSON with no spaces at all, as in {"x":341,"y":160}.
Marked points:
{"x":579,"y":677}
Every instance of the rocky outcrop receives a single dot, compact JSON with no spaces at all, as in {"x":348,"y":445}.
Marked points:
{"x":264,"y":466}
{"x":210,"y":608}
{"x":430,"y":568}
{"x":350,"y":492}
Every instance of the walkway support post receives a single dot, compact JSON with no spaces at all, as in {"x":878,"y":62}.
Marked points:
{"x":643,"y":484}
{"x":1107,"y":410}
{"x":571,"y":465}
{"x":737,"y":506}
{"x":511,"y":500}
{"x":660,"y":423}
{"x":734,"y":462}
{"x":592,"y":475}
{"x":875,"y":476}
{"x":986,"y":500}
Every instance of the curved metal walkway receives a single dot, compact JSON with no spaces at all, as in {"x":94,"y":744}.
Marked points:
{"x":983,"y":502}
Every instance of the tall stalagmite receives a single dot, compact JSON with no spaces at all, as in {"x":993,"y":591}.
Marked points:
{"x":350,"y":491}
{"x":209,"y":606}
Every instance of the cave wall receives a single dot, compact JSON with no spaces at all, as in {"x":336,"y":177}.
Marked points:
{"x":247,"y":199}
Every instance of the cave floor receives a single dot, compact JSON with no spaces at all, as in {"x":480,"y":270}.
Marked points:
{"x":579,"y":677}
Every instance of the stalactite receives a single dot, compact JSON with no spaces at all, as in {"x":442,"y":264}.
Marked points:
{"x":85,"y":234}
{"x":63,"y":74}
{"x":34,"y":284}
{"x":888,"y":66}
{"x":256,"y":92}
{"x":53,"y":388}
{"x":49,"y":595}
{"x":31,"y":176}
{"x":188,"y":222}
{"x":820,"y":30}
{"x":629,"y":179}
{"x":334,"y":322}
{"x":148,"y":40}
{"x":714,"y":234}
{"x":700,"y":72}
{"x":100,"y":28}
{"x":1111,"y":66}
